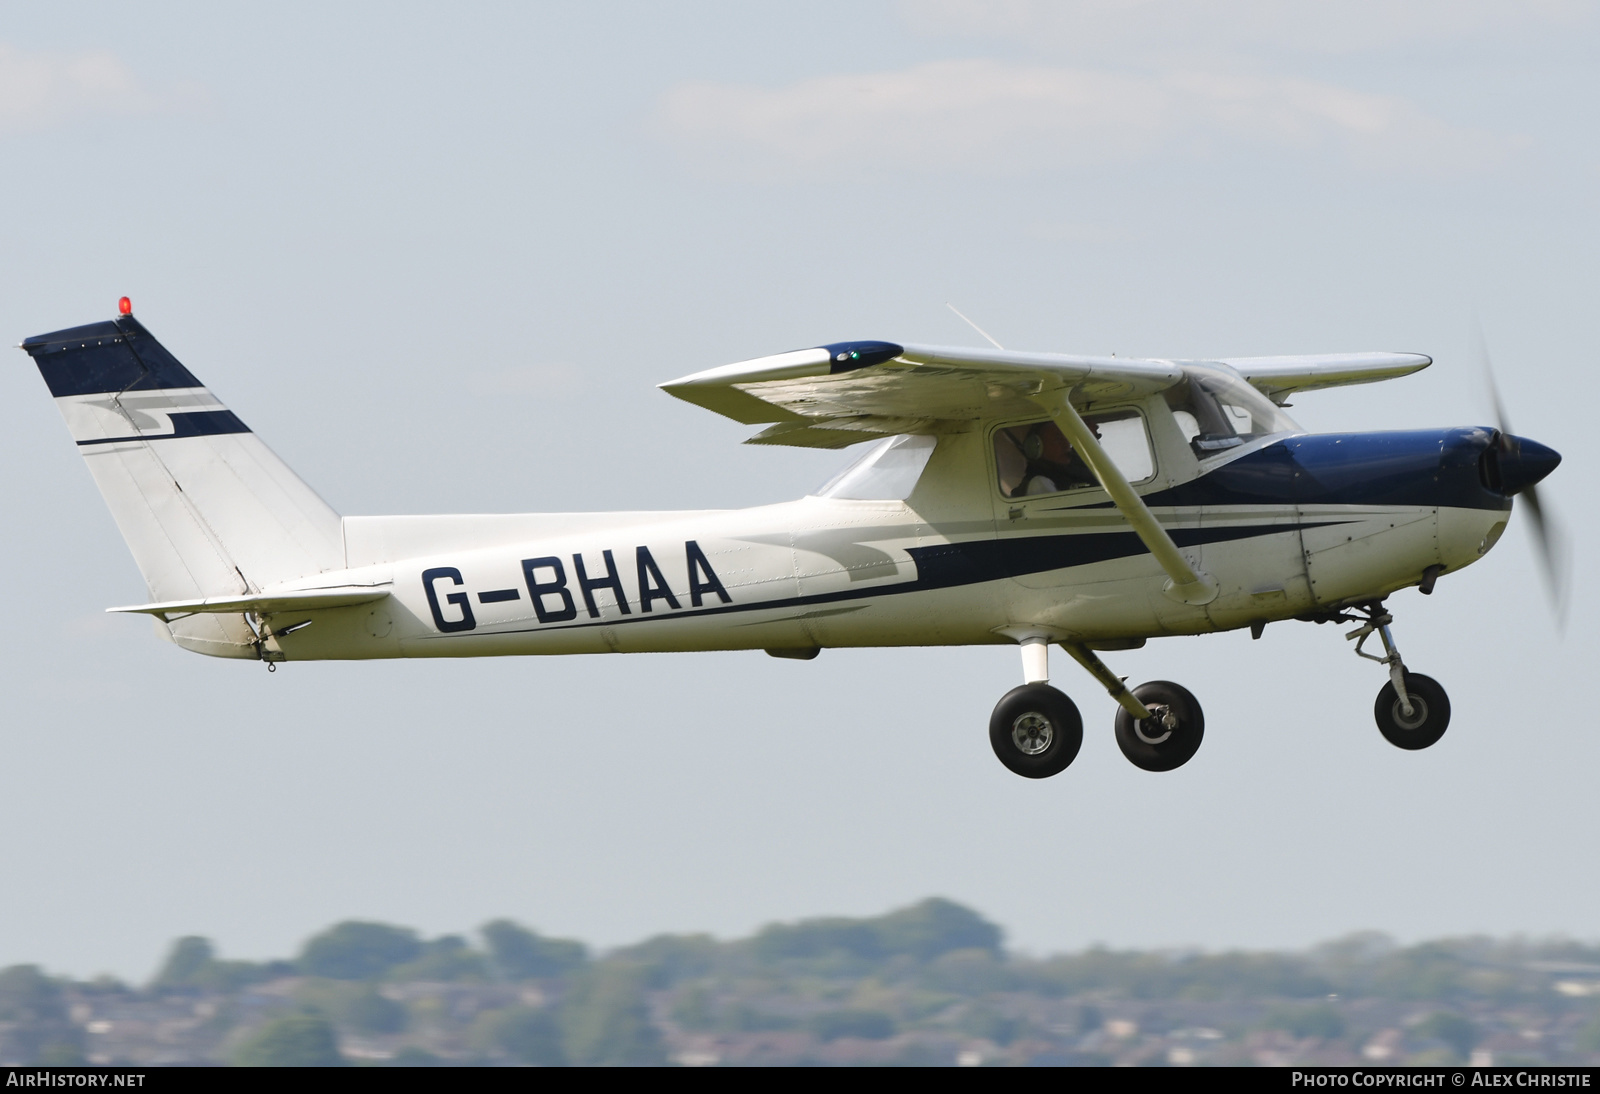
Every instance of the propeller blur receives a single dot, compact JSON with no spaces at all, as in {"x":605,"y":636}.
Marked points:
{"x":1519,"y":465}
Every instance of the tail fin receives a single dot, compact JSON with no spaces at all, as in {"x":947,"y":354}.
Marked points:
{"x":206,"y":508}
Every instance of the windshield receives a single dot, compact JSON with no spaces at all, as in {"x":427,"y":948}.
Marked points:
{"x":1217,"y":410}
{"x":888,"y":471}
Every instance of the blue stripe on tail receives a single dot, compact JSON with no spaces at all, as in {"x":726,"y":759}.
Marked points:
{"x":193,"y":423}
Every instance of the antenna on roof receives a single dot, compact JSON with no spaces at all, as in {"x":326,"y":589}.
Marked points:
{"x":973,"y":325}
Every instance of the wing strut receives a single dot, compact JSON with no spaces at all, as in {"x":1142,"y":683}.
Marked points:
{"x":1188,"y":585}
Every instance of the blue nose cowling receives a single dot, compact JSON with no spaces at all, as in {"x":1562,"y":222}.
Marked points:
{"x":1523,"y":462}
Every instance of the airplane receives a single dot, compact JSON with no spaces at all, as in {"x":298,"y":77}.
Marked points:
{"x":1030,"y":499}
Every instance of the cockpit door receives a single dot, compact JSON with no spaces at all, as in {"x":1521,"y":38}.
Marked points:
{"x":1046,"y":499}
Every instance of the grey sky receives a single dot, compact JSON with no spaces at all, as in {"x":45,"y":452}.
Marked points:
{"x":439,"y":261}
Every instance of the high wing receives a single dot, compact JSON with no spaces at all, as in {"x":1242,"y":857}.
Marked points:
{"x":839,"y":394}
{"x":1280,"y":377}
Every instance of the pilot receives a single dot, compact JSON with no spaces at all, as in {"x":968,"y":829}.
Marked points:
{"x":1037,"y":459}
{"x":1053,"y":464}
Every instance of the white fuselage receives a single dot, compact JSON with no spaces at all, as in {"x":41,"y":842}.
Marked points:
{"x":953,"y":564}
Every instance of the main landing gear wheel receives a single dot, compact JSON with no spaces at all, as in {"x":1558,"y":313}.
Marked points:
{"x":1036,"y":731}
{"x":1170,"y":738}
{"x":1429,"y":717}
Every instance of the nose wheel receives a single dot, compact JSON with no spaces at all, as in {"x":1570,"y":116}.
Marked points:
{"x":1427,"y":719}
{"x":1412,"y":710}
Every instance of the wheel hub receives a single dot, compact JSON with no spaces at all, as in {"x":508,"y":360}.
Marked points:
{"x":1160,"y":718}
{"x":1032,"y":733}
{"x":1418,"y":717}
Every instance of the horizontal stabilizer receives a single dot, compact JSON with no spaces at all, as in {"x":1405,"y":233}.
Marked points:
{"x":289,"y":600}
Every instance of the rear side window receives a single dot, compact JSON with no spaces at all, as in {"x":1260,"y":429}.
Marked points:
{"x":888,"y":471}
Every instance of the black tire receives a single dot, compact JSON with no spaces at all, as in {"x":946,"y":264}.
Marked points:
{"x":1430,"y":713}
{"x":1036,"y":731}
{"x":1159,"y":748}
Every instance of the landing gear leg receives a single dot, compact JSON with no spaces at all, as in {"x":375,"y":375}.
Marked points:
{"x":1160,"y":725}
{"x":1036,"y":730}
{"x":1412,"y":710}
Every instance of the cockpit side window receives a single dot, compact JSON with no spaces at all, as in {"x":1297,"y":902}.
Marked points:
{"x":1216,"y":411}
{"x":1036,"y":458}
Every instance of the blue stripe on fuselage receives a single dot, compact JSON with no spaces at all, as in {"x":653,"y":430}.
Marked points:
{"x":948,"y":565}
{"x":974,"y":561}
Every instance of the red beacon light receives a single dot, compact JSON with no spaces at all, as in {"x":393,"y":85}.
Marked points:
{"x":125,"y":306}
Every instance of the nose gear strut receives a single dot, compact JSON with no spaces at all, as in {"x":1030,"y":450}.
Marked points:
{"x":1378,"y":620}
{"x":1412,"y":710}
